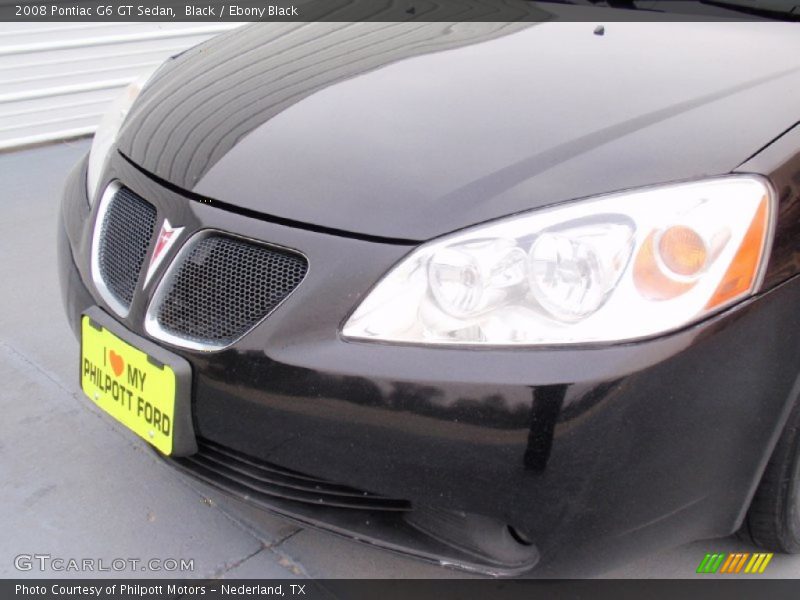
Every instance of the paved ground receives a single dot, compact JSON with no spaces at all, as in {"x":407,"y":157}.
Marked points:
{"x":74,"y":485}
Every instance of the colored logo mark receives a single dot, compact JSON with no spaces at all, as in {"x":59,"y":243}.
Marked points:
{"x":735,"y":562}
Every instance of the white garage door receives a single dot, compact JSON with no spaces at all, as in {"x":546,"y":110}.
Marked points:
{"x":57,"y":78}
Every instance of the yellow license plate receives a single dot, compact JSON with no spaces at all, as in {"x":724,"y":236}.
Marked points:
{"x":124,"y":382}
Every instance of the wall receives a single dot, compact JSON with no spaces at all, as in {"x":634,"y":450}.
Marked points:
{"x":57,"y":78}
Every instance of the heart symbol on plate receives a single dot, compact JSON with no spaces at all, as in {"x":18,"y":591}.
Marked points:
{"x":117,"y":364}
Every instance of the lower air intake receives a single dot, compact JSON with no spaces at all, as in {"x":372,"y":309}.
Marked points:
{"x":253,"y":477}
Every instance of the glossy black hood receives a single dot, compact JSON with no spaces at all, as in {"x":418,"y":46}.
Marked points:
{"x":413,"y":130}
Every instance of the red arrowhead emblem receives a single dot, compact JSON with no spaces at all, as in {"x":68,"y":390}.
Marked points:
{"x":166,"y":238}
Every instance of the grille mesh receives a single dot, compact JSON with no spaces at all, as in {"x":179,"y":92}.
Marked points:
{"x":224,"y":286}
{"x":124,"y":238}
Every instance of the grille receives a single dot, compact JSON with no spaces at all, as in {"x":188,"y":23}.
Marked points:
{"x":252,"y":477}
{"x":221,"y":287}
{"x":125,"y":234}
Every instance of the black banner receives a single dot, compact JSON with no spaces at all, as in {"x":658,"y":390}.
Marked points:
{"x":346,"y":589}
{"x":374,"y":10}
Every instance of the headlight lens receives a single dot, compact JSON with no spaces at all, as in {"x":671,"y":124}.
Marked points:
{"x":617,"y":267}
{"x":107,"y":131}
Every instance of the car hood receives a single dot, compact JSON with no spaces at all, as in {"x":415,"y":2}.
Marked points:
{"x":408,"y":131}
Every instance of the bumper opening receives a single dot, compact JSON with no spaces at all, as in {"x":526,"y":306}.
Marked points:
{"x":451,"y":538}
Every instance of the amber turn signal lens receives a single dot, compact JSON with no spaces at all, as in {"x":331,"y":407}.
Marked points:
{"x":650,"y":279}
{"x":682,"y":251}
{"x":743,"y":271}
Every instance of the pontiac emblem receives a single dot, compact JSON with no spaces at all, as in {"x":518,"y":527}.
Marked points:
{"x":166,"y":238}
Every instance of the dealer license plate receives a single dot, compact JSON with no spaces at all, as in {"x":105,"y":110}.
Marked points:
{"x":135,"y":389}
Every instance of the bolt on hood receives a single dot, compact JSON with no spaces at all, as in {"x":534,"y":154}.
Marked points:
{"x":417,"y":129}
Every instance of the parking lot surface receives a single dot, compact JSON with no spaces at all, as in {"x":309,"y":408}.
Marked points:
{"x":76,"y":485}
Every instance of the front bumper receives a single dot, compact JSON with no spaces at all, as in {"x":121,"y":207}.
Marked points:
{"x":583,"y":451}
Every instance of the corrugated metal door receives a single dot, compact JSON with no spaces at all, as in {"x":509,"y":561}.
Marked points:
{"x":56,"y":79}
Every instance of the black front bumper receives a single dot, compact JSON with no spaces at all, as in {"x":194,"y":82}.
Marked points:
{"x":585,"y":452}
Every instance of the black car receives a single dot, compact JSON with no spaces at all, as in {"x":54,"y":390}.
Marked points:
{"x":499,"y":296}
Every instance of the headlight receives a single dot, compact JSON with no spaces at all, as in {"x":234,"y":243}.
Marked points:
{"x":107,"y":131}
{"x":616,"y":267}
